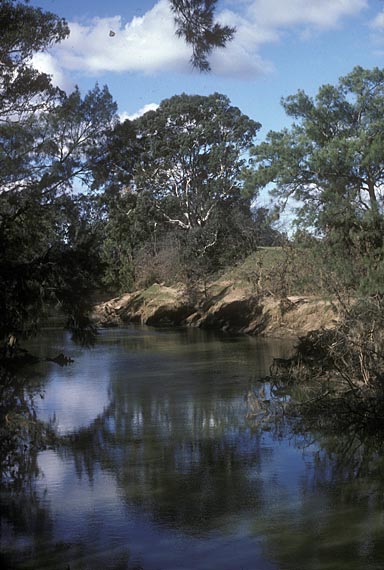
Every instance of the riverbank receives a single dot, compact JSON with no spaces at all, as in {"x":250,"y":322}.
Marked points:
{"x":223,"y":306}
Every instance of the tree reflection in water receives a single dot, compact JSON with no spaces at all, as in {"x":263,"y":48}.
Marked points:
{"x":338,"y":520}
{"x":193,"y":478}
{"x":189,"y":480}
{"x":191,"y":462}
{"x":22,"y":436}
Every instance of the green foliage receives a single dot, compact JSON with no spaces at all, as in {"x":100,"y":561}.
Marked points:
{"x":332,"y":161}
{"x":24,"y":31}
{"x":265,"y":232}
{"x":120,"y":238}
{"x":194,"y":153}
{"x":129,"y":219}
{"x":173,"y":191}
{"x":49,"y":143}
{"x":193,"y":156}
{"x":194,"y":21}
{"x":43,"y":246}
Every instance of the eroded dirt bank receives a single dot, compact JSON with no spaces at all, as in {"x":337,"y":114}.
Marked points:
{"x":223,"y":306}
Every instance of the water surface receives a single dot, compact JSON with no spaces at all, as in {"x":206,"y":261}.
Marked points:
{"x":162,"y":466}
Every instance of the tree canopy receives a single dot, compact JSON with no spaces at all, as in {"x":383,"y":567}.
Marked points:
{"x":333,"y":155}
{"x":48,"y":140}
{"x":332,"y":161}
{"x":24,"y":31}
{"x":195,"y":149}
{"x":177,"y":170}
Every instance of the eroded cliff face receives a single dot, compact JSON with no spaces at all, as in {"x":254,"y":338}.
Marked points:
{"x":222,"y":307}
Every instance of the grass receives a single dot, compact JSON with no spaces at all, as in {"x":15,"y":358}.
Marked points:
{"x":157,"y":293}
{"x":278,"y":271}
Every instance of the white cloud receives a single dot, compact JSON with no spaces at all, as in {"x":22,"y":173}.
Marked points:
{"x":377,"y":26}
{"x":320,"y":14}
{"x":378,"y":22}
{"x":139,"y":113}
{"x":148,"y":44}
{"x":47,"y":63}
{"x":262,"y":22}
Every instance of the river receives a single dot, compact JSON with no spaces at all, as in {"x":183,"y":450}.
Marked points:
{"x":161,"y":465}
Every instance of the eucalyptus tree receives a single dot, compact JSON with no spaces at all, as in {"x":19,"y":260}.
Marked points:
{"x":190,"y":169}
{"x":195,"y":150}
{"x":332,"y":161}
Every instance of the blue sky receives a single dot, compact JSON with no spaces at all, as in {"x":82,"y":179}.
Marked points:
{"x":280,"y":46}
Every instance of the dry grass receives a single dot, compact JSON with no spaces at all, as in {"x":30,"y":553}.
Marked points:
{"x":278,"y":271}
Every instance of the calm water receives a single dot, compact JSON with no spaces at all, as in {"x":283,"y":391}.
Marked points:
{"x":162,"y":468}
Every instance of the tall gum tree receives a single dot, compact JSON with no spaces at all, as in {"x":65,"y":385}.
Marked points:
{"x":174,"y":176}
{"x":195,"y":149}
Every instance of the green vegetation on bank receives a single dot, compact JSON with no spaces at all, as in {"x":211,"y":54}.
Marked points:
{"x":281,"y":271}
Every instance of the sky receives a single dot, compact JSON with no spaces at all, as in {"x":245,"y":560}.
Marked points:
{"x":280,"y":46}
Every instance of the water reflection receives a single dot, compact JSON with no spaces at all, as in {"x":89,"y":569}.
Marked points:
{"x":337,"y":521}
{"x":161,"y":466}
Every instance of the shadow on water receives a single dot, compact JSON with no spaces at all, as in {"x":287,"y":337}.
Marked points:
{"x":22,"y":437}
{"x":171,"y":470}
